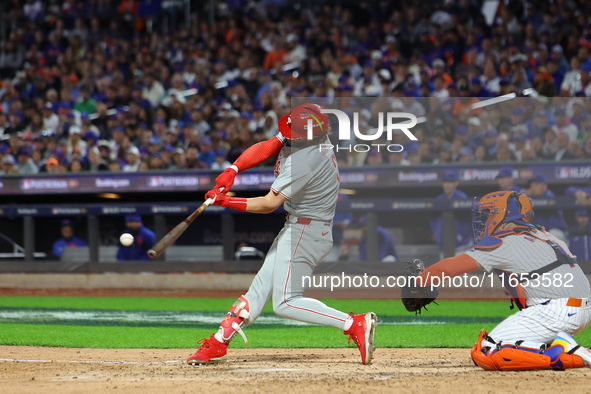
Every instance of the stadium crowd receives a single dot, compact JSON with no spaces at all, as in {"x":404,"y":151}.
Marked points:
{"x":123,"y":85}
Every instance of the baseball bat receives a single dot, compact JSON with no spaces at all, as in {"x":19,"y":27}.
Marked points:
{"x":176,"y":232}
{"x":481,"y":104}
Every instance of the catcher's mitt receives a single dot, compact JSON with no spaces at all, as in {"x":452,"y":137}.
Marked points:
{"x":415,"y":297}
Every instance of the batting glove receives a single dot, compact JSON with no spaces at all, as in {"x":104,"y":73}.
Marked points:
{"x":237,"y":203}
{"x":225,"y":180}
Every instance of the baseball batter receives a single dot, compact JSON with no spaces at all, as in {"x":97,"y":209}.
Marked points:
{"x":543,"y":279}
{"x":307,"y":183}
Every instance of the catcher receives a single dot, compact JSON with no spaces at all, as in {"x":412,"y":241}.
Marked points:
{"x":307,"y":184}
{"x":525,"y":257}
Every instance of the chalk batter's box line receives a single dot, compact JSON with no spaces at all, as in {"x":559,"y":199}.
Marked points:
{"x":89,"y":361}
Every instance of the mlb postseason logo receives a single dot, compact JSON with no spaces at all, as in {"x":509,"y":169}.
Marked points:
{"x":344,"y":130}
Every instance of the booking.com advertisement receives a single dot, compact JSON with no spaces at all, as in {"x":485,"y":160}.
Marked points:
{"x":497,"y":223}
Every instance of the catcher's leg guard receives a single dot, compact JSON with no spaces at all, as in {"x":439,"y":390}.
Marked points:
{"x":237,"y":317}
{"x":571,"y":346}
{"x":518,"y":358}
{"x":515,"y":358}
{"x":480,"y":353}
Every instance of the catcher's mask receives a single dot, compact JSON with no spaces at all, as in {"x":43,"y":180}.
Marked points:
{"x":294,"y":126}
{"x":497,"y":208}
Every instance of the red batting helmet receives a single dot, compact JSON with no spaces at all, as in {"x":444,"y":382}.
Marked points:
{"x":294,"y":126}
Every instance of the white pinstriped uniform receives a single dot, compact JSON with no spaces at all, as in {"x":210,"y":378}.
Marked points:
{"x":309,"y":178}
{"x":546,"y":313}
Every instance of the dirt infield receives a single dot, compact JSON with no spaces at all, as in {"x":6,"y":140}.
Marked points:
{"x":64,"y":370}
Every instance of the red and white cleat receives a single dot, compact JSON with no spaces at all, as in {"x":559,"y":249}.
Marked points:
{"x":211,"y":351}
{"x":362,"y":332}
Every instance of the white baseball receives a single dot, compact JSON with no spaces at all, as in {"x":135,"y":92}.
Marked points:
{"x":126,"y":239}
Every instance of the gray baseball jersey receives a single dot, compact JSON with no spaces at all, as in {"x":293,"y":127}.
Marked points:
{"x":309,"y":179}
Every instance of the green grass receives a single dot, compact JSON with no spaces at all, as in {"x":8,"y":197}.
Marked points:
{"x":471,"y":317}
{"x":381,"y":307}
{"x":171,"y":338}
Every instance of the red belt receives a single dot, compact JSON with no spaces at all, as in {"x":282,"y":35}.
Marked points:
{"x":305,"y":221}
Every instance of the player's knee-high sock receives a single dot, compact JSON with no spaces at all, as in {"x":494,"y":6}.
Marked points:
{"x":248,"y":307}
{"x":237,"y":317}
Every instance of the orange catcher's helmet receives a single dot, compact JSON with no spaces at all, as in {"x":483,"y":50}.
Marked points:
{"x":497,"y":208}
{"x":294,"y":126}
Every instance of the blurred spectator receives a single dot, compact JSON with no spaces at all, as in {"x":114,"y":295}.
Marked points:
{"x":104,"y":152}
{"x":580,"y":236}
{"x":413,"y":157}
{"x":68,"y":240}
{"x":478,"y":90}
{"x":26,"y":166}
{"x":51,"y":166}
{"x":582,"y":195}
{"x":564,"y":125}
{"x":75,"y":142}
{"x":50,"y":119}
{"x":562,"y":150}
{"x":132,"y":71}
{"x":586,"y":150}
{"x":206,"y":154}
{"x":275,"y":56}
{"x":85,"y":103}
{"x":445,"y":154}
{"x":552,"y":220}
{"x":506,"y":180}
{"x":144,"y":166}
{"x":192,"y":158}
{"x":133,"y":160}
{"x":386,"y":248}
{"x":180,"y":160}
{"x":153,"y":90}
{"x":519,"y":146}
{"x":75,"y":166}
{"x":572,"y":79}
{"x":90,"y":129}
{"x":220,"y":162}
{"x":463,"y":227}
{"x":95,"y":162}
{"x":480,"y":154}
{"x":143,"y":240}
{"x":114,"y":166}
{"x":544,"y":83}
{"x":550,"y":145}
{"x":156,"y":162}
{"x":244,"y":141}
{"x":529,"y":154}
{"x":397,"y":158}
{"x":466,"y":155}
{"x":490,"y":144}
{"x":8,"y":166}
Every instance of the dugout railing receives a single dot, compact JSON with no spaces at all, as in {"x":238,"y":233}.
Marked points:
{"x":373,"y":209}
